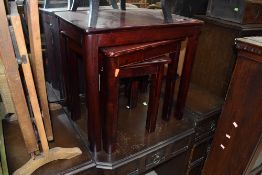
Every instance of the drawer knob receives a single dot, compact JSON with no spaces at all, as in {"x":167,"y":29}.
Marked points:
{"x":213,"y":125}
{"x":157,"y":159}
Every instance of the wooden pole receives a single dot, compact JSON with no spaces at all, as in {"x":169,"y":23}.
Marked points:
{"x":37,"y":62}
{"x":11,"y":70}
{"x":19,"y":35}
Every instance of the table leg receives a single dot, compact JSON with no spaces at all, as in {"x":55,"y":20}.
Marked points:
{"x":74,"y":83}
{"x":170,"y":84}
{"x":111,"y":107}
{"x":185,"y":77}
{"x":90,"y":56}
{"x":68,"y":75}
{"x":154,"y":97}
{"x":133,"y":93}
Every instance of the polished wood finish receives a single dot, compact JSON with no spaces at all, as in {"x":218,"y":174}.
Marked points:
{"x":133,"y":141}
{"x":239,"y":129}
{"x":120,"y":29}
{"x":8,"y":59}
{"x":135,"y":148}
{"x":121,"y":65}
{"x":214,"y":62}
{"x":53,"y":52}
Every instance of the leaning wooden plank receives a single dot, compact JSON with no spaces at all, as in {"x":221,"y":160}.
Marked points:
{"x":5,"y":91}
{"x":19,"y":36}
{"x":8,"y":59}
{"x":37,"y":62}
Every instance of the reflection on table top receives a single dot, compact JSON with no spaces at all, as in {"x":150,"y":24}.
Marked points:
{"x":110,"y":19}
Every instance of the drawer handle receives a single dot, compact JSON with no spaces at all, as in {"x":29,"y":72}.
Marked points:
{"x":157,"y":159}
{"x":134,"y":172}
{"x":213,"y":125}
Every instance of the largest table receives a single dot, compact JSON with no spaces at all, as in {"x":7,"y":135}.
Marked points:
{"x":115,"y":27}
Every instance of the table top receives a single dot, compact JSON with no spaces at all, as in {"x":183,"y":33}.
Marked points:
{"x":111,"y":19}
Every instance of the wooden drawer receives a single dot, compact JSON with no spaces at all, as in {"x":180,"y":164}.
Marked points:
{"x":196,"y":169}
{"x":176,"y":166}
{"x":173,"y":149}
{"x":129,"y":169}
{"x":155,"y":158}
{"x":200,"y":149}
{"x":206,"y":127}
{"x":149,"y":159}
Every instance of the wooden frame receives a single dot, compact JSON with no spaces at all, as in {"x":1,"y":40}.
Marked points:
{"x":9,"y":61}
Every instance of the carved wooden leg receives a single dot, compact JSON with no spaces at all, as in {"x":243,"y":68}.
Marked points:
{"x":170,"y":84}
{"x":185,"y":77}
{"x":154,"y":97}
{"x":111,"y":107}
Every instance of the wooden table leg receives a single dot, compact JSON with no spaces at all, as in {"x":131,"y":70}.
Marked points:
{"x":111,"y":107}
{"x":133,"y":93}
{"x":170,"y":84}
{"x":185,"y":77}
{"x":154,"y":97}
{"x":67,"y":72}
{"x":90,"y":56}
{"x":74,"y":83}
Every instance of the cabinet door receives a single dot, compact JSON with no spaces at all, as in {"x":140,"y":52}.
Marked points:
{"x":240,"y":124}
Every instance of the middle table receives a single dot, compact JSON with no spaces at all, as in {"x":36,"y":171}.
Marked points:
{"x":114,"y":28}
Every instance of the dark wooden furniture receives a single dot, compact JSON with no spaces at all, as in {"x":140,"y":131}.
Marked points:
{"x":167,"y":151}
{"x":239,"y":11}
{"x":53,"y":52}
{"x":53,"y":60}
{"x":214,"y":62}
{"x":123,"y":62}
{"x":189,"y":8}
{"x":122,"y":28}
{"x":203,"y":110}
{"x":238,"y":134}
{"x":204,"y":115}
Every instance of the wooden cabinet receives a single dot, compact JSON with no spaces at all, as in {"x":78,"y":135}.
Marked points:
{"x":239,"y":130}
{"x":216,"y":55}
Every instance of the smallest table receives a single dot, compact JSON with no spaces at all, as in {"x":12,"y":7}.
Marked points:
{"x":115,"y":28}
